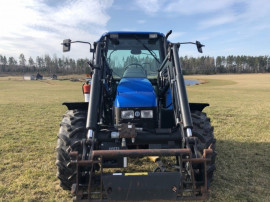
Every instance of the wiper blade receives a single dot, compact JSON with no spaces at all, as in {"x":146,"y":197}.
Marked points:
{"x":150,"y":51}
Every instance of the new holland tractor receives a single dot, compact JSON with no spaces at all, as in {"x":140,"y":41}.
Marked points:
{"x":136,"y":137}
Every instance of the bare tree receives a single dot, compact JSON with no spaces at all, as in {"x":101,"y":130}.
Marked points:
{"x":22,"y":60}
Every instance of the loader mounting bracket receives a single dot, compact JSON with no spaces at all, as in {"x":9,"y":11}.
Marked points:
{"x":141,"y":186}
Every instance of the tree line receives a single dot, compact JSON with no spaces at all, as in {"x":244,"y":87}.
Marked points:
{"x":43,"y":64}
{"x":190,"y":65}
{"x":222,"y":64}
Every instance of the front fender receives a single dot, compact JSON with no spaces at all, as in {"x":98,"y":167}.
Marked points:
{"x":76,"y":105}
{"x":197,"y":106}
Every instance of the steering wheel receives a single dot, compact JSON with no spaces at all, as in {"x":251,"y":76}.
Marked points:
{"x":136,"y":64}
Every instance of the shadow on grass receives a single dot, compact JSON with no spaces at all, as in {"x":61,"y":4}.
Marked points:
{"x":243,"y":172}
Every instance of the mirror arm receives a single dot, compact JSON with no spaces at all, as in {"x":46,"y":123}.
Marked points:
{"x":198,"y":44}
{"x":91,"y":50}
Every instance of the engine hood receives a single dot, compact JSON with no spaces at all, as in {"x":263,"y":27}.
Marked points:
{"x":135,"y":92}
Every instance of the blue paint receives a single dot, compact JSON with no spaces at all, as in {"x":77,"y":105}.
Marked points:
{"x":135,"y":92}
{"x":139,"y":92}
{"x":169,"y":99}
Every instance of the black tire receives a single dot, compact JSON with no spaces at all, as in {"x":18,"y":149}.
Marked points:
{"x":203,"y":130}
{"x":72,"y":129}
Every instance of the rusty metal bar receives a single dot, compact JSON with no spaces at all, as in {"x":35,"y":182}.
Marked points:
{"x":193,"y":179}
{"x":84,"y":162}
{"x":73,"y":153}
{"x":89,"y":181}
{"x":143,"y":152}
{"x":197,"y":160}
{"x":207,"y":152}
{"x":101,"y":180}
{"x":140,"y":152}
{"x":77,"y":176}
{"x":89,"y":162}
{"x":204,"y":188}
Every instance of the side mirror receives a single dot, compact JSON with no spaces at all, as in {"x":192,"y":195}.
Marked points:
{"x":199,"y":46}
{"x":66,"y":45}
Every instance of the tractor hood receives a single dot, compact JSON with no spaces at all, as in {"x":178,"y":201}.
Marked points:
{"x":135,"y":92}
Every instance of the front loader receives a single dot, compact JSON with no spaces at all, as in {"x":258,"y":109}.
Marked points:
{"x":136,"y":137}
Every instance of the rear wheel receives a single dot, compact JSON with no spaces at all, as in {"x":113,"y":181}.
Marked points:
{"x":72,"y":129}
{"x":203,"y":130}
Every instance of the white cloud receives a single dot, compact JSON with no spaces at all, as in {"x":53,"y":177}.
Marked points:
{"x":193,"y":7}
{"x":237,"y":13}
{"x":256,"y":12}
{"x":250,"y":14}
{"x":141,"y":21}
{"x":190,"y":7}
{"x":84,"y":12}
{"x":34,"y":28}
{"x":219,"y":20}
{"x":176,"y":36}
{"x":150,"y":6}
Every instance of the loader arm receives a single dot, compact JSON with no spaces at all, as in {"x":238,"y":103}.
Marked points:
{"x":171,"y":68}
{"x":95,"y":94}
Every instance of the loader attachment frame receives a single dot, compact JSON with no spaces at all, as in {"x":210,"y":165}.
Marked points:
{"x":112,"y":187}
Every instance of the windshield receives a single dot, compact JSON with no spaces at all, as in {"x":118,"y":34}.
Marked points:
{"x":134,"y":57}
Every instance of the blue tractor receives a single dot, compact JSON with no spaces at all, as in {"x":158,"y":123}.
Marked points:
{"x":137,"y":138}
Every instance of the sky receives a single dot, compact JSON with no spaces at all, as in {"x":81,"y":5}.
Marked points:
{"x":225,"y":27}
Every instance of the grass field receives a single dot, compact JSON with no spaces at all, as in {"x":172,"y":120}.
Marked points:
{"x":30,"y":113}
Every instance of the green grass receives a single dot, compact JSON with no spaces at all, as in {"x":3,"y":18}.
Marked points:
{"x":30,"y":113}
{"x":240,"y":112}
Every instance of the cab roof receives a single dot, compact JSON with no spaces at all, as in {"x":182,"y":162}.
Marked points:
{"x":131,"y":33}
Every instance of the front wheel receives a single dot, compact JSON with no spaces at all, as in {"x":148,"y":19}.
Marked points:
{"x":203,"y":130}
{"x":72,"y":129}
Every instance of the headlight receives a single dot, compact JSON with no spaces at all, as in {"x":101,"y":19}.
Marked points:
{"x":147,"y":114}
{"x":127,"y":114}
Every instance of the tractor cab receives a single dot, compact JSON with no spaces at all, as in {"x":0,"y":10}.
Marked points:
{"x":135,"y":54}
